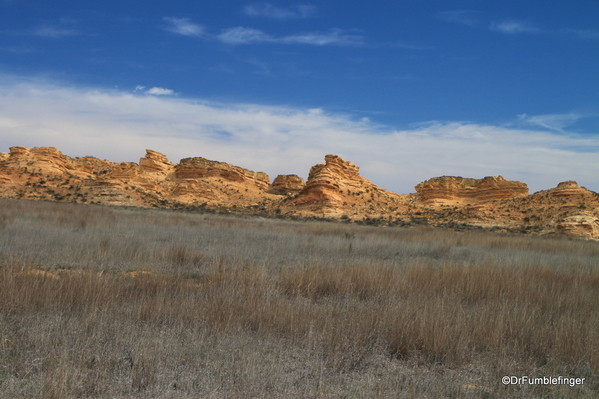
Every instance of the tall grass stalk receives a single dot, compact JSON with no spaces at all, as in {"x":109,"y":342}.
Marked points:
{"x":164,"y":304}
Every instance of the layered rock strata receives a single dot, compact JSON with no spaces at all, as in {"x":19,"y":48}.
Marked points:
{"x":449,"y":189}
{"x":334,"y":189}
{"x":582,"y":225}
{"x":287,"y":184}
{"x":200,"y":168}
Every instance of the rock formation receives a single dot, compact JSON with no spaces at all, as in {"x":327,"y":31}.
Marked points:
{"x":155,"y":162}
{"x":459,"y":190}
{"x":219,"y":184}
{"x":45,"y":160}
{"x":568,"y":189}
{"x":334,"y":189}
{"x":45,"y":173}
{"x":199,"y":168}
{"x":287,"y":184}
{"x":326,"y":182}
{"x":567,"y":209}
{"x":582,"y":225}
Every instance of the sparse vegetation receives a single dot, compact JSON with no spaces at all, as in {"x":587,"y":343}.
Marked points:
{"x":115,"y":302}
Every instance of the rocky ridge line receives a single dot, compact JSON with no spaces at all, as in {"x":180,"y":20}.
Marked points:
{"x":334,"y":190}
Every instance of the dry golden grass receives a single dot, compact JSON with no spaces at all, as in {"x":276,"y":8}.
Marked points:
{"x":107,"y":302}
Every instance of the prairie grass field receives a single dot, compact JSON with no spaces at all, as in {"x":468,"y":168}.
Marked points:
{"x":106,"y":302}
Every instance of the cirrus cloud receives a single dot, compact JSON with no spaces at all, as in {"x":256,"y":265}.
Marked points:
{"x":53,"y":32}
{"x":464,"y":17}
{"x":241,"y":35}
{"x":555,"y":122}
{"x":269,"y":11}
{"x":244,"y":35}
{"x":514,"y":27}
{"x":183,"y":26}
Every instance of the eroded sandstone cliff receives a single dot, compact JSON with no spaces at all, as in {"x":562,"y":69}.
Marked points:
{"x":287,"y":184}
{"x":459,"y":190}
{"x":45,"y":173}
{"x":334,"y":189}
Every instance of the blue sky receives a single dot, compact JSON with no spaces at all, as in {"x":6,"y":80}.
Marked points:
{"x":407,"y":90}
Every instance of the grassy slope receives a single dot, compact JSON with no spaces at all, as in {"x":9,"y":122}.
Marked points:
{"x":231,"y":307}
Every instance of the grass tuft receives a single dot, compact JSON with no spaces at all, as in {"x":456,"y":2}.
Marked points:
{"x":161,"y":304}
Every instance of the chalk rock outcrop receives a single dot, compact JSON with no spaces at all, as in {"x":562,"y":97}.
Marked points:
{"x":457,"y":190}
{"x":287,"y":184}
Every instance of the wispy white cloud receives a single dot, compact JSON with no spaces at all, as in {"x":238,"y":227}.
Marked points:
{"x":53,"y":32}
{"x":244,"y":35}
{"x":159,"y":91}
{"x":18,"y":49}
{"x":474,"y":19}
{"x":269,"y":11}
{"x":584,"y":34}
{"x":514,"y":27}
{"x":154,"y":91}
{"x":183,"y":26}
{"x":119,"y":126}
{"x":464,"y":17}
{"x":241,"y":35}
{"x":63,"y":27}
{"x":555,"y":122}
{"x":263,"y":68}
{"x":335,"y":37}
{"x":400,"y":44}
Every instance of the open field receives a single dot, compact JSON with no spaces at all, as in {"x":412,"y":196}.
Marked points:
{"x":114,"y":303}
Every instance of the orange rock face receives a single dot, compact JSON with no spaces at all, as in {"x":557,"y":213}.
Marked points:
{"x":583,"y":225}
{"x":45,"y":173}
{"x":567,"y":189}
{"x":327,"y":180}
{"x":287,"y":184}
{"x":199,"y":168}
{"x":449,"y":189}
{"x":334,"y":189}
{"x":45,"y":160}
{"x":155,"y":162}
